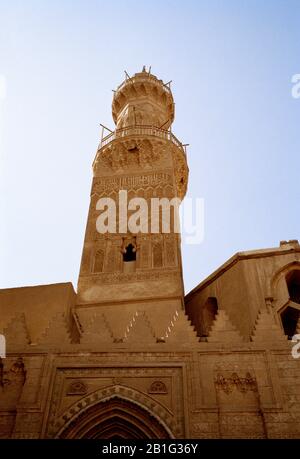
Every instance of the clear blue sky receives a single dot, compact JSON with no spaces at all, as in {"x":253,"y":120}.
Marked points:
{"x":231,"y":63}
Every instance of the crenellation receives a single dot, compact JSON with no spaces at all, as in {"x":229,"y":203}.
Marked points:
{"x":216,"y":363}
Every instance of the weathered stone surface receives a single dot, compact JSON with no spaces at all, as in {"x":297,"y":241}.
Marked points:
{"x":215,"y":364}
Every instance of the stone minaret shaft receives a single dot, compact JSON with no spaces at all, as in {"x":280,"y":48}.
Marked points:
{"x":144,"y":158}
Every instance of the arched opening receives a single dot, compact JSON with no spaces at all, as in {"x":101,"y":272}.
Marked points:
{"x":129,"y":253}
{"x":115,"y":418}
{"x":98,"y":262}
{"x":129,"y":258}
{"x":157,"y":255}
{"x":293,"y":285}
{"x":290,"y":319}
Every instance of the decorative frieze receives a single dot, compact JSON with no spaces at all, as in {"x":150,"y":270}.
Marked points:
{"x":131,"y":182}
{"x":120,"y":277}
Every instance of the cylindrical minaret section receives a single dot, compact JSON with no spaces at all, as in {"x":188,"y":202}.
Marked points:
{"x":143,"y":100}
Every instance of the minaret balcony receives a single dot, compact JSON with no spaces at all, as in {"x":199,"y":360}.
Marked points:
{"x":141,"y":130}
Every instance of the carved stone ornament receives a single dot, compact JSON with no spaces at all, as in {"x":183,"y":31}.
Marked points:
{"x":12,"y":381}
{"x":120,"y":154}
{"x":181,"y":172}
{"x":77,"y":388}
{"x":228,"y":384}
{"x":157,"y":387}
{"x":15,"y":376}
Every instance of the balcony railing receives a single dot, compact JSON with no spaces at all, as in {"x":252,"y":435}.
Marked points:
{"x":141,"y":130}
{"x":145,"y":79}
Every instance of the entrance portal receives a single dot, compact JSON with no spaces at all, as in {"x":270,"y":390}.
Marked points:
{"x":115,"y":418}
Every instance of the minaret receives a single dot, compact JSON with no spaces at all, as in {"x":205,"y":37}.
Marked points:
{"x":123,"y":273}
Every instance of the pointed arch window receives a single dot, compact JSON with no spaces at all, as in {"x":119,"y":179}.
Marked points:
{"x":98,"y":261}
{"x":290,"y":316}
{"x":293,"y":285}
{"x":129,"y":253}
{"x":157,"y":255}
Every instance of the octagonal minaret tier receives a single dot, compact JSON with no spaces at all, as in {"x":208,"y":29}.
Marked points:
{"x":143,"y":100}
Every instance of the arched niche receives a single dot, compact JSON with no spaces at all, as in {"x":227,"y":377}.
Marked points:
{"x":116,"y":412}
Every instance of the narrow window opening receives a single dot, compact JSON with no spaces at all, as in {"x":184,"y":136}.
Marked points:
{"x":157,"y":255}
{"x":130,"y":253}
{"x":98,"y":262}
